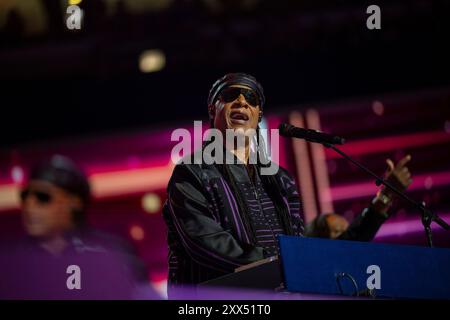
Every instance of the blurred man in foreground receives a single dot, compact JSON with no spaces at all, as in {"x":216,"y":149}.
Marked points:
{"x":61,"y":256}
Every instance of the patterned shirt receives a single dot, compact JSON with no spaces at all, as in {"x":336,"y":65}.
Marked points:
{"x":263,"y":217}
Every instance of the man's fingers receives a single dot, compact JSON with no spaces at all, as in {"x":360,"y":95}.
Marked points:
{"x":390,"y":164}
{"x":404,"y":161}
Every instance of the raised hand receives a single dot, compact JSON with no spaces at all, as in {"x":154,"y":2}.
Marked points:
{"x":398,"y":175}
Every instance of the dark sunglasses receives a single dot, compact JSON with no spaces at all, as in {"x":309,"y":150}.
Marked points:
{"x":41,"y":196}
{"x":232,"y":93}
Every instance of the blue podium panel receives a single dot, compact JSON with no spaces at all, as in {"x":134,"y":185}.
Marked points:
{"x":345,"y":267}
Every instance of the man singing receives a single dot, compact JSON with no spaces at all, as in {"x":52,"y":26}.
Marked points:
{"x":222,"y":216}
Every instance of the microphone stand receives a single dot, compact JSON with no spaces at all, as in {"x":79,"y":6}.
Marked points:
{"x":427,"y":215}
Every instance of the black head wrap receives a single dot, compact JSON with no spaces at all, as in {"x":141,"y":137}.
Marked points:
{"x":236,"y":79}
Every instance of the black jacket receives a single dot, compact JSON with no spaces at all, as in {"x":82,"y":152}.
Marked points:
{"x":206,"y":234}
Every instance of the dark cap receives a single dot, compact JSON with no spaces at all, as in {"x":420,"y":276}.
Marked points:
{"x":62,"y":172}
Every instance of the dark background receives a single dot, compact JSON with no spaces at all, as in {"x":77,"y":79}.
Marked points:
{"x":58,"y":82}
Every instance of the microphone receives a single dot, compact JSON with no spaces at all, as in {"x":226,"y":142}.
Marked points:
{"x":287,"y":130}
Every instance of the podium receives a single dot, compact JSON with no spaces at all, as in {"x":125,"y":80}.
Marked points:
{"x":324,"y":267}
{"x":350,"y":267}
